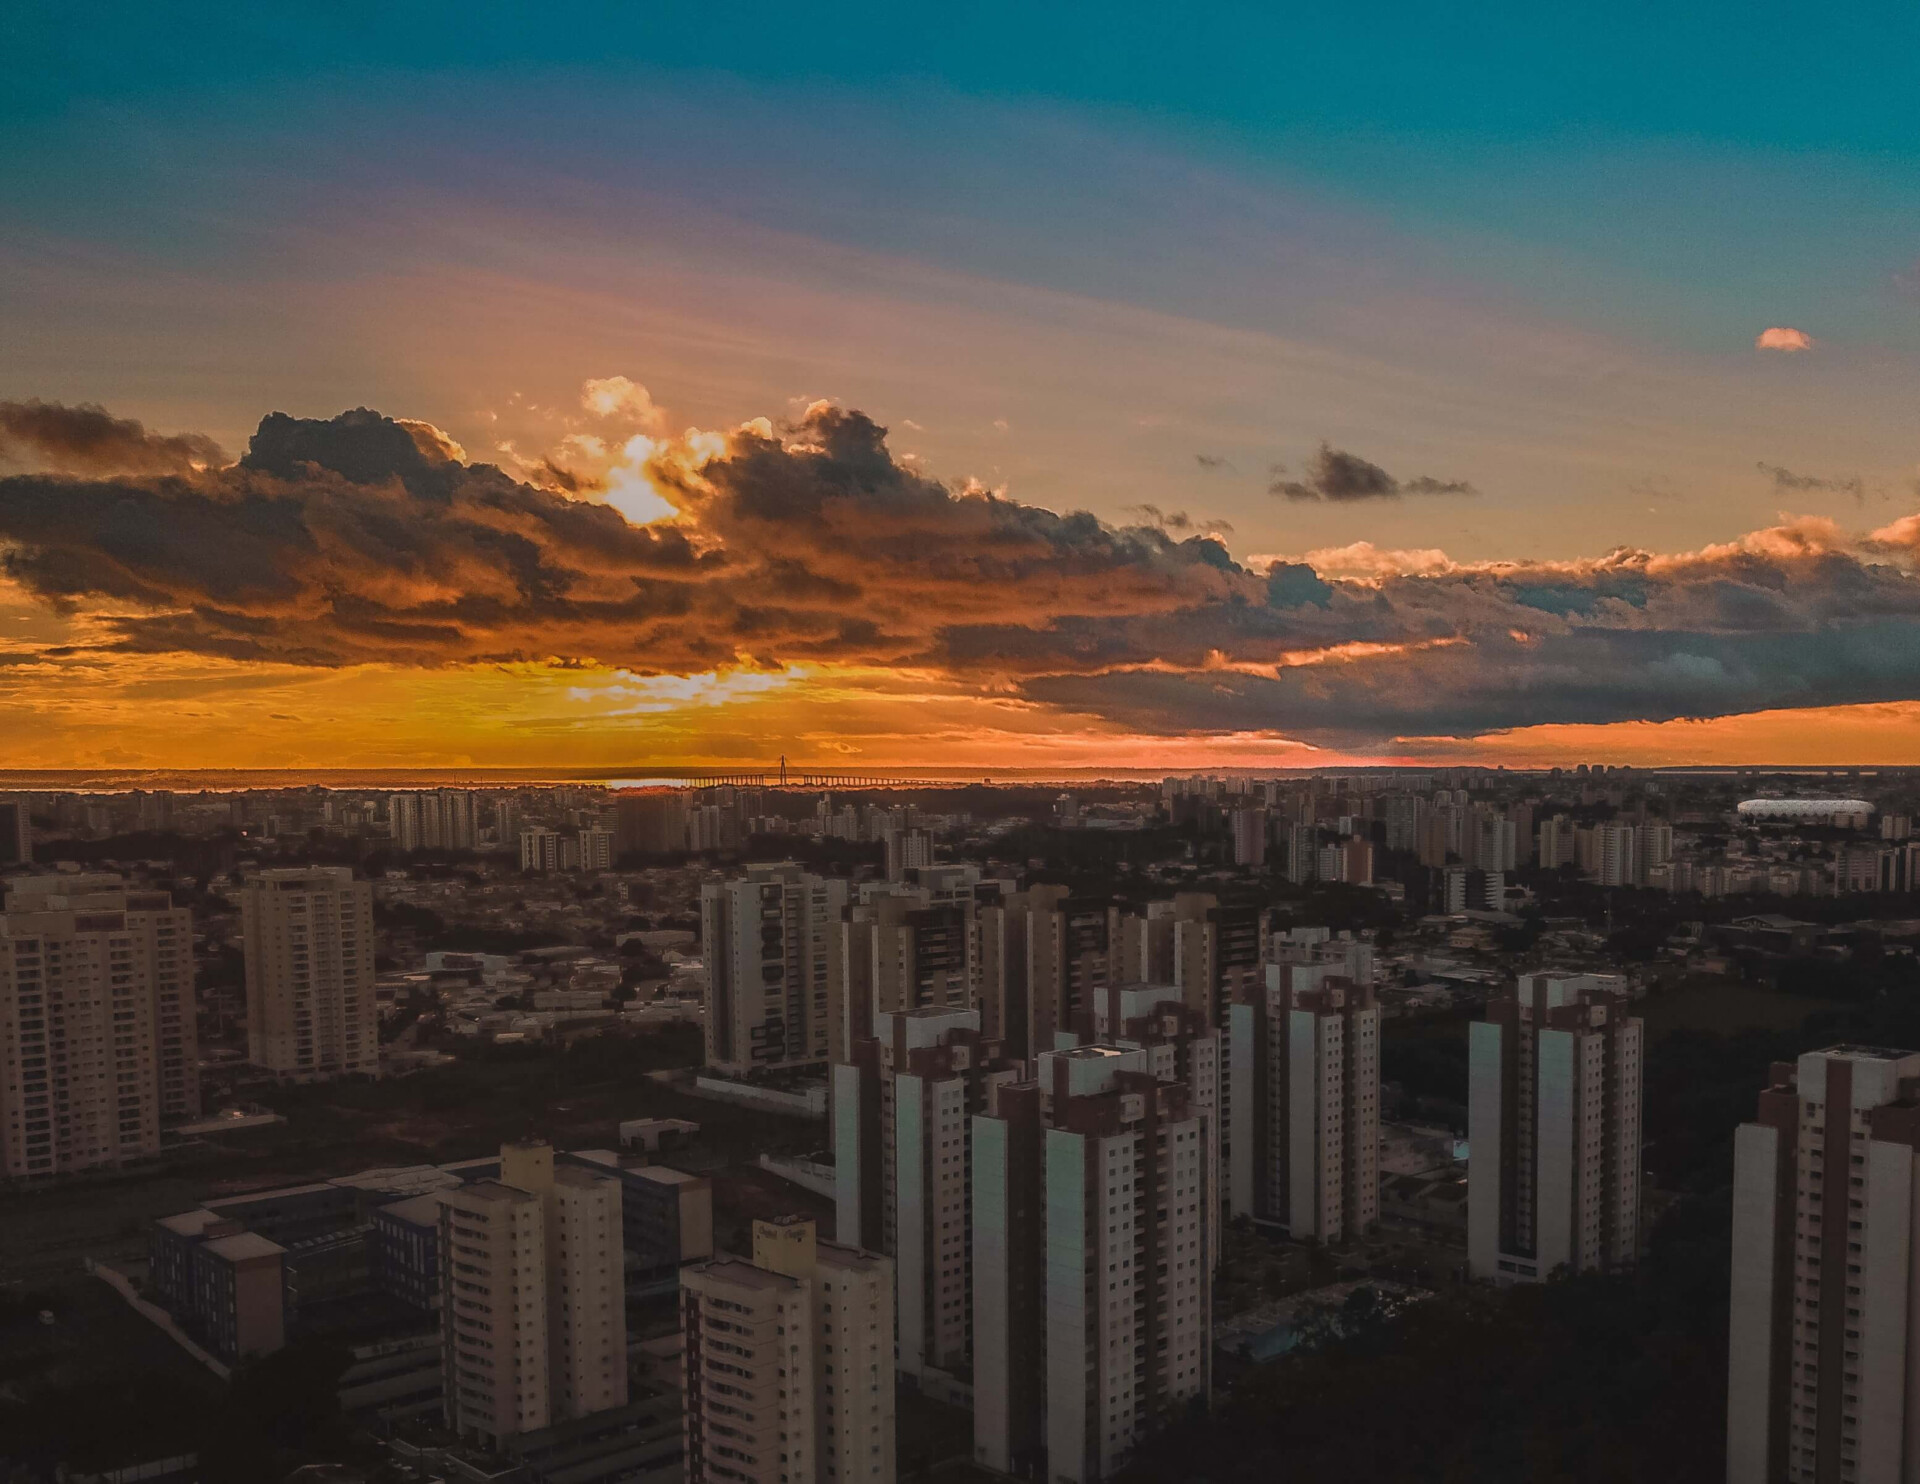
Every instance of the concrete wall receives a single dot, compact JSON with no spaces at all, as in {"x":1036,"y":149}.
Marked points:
{"x":1750,"y":1327}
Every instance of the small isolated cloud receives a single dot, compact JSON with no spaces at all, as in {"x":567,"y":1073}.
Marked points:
{"x":617,"y":396}
{"x":1334,"y":474}
{"x":1000,"y":425}
{"x":1212,"y":461}
{"x":1782,"y":337}
{"x":1786,"y":479}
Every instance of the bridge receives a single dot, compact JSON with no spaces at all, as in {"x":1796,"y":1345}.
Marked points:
{"x":804,"y":778}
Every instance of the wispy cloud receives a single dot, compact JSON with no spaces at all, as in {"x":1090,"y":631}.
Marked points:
{"x":1334,"y":474}
{"x":1787,"y":480}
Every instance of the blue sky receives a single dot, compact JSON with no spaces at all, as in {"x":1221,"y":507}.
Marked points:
{"x":1389,"y":187}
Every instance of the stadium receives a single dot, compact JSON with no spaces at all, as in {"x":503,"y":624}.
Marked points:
{"x":1806,"y":811}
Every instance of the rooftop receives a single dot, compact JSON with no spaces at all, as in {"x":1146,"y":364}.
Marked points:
{"x":243,"y":1245}
{"x":1852,"y":1052}
{"x":743,"y":1274}
{"x":420,"y":1209}
{"x":491,"y":1191}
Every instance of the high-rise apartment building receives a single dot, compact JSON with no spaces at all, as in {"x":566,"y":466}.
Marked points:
{"x":16,"y":831}
{"x":97,"y":1041}
{"x":771,"y":939}
{"x":533,"y":1319}
{"x":1823,"y":1369}
{"x":1092,"y":1232}
{"x":789,"y":1363}
{"x":1183,"y":1046}
{"x":1305,"y":1146}
{"x":999,"y":966}
{"x":1614,"y":854}
{"x":918,"y":953}
{"x":1301,"y":862}
{"x":1553,"y":1123}
{"x":1555,"y":843}
{"x":650,"y":821}
{"x":432,"y":819}
{"x":1250,"y":837}
{"x":903,"y":1110}
{"x":544,"y":849}
{"x":311,"y":1014}
{"x":908,"y":849}
{"x":1404,"y":815}
{"x":596,"y":849}
{"x":403,"y":821}
{"x":1069,"y":956}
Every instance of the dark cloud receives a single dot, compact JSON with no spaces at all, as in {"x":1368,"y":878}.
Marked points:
{"x":87,"y":440}
{"x":1334,"y":474}
{"x":1212,"y":461}
{"x":1786,"y":479}
{"x":360,"y":539}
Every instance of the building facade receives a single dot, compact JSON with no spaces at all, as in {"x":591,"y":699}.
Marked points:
{"x":98,"y":1048}
{"x":903,"y":1113}
{"x":1309,"y":1156}
{"x":1823,"y":1376}
{"x":1092,"y":1283}
{"x":1553,"y":1124}
{"x":533,"y":1318}
{"x":311,"y":1014}
{"x":770,"y":940}
{"x":789,"y":1369}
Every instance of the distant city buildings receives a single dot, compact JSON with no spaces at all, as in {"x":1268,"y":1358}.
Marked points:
{"x":1823,"y":1370}
{"x":311,"y":1010}
{"x":98,"y":1048}
{"x":438,"y":819}
{"x":1554,"y":1108}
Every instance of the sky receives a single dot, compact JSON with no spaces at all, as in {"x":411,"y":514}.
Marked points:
{"x":987,"y":386}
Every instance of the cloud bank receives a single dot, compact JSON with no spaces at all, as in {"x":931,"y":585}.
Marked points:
{"x":362,"y":539}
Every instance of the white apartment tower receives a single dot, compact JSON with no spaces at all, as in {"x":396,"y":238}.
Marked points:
{"x":771,"y":940}
{"x":789,"y":1363}
{"x":1181,"y":1046}
{"x":1092,"y":1228}
{"x":533,"y":1319}
{"x":97,"y":1043}
{"x":903,"y":1111}
{"x":311,"y":1014}
{"x":1553,"y":1122}
{"x":1823,"y":1376}
{"x":1307,"y":1154}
